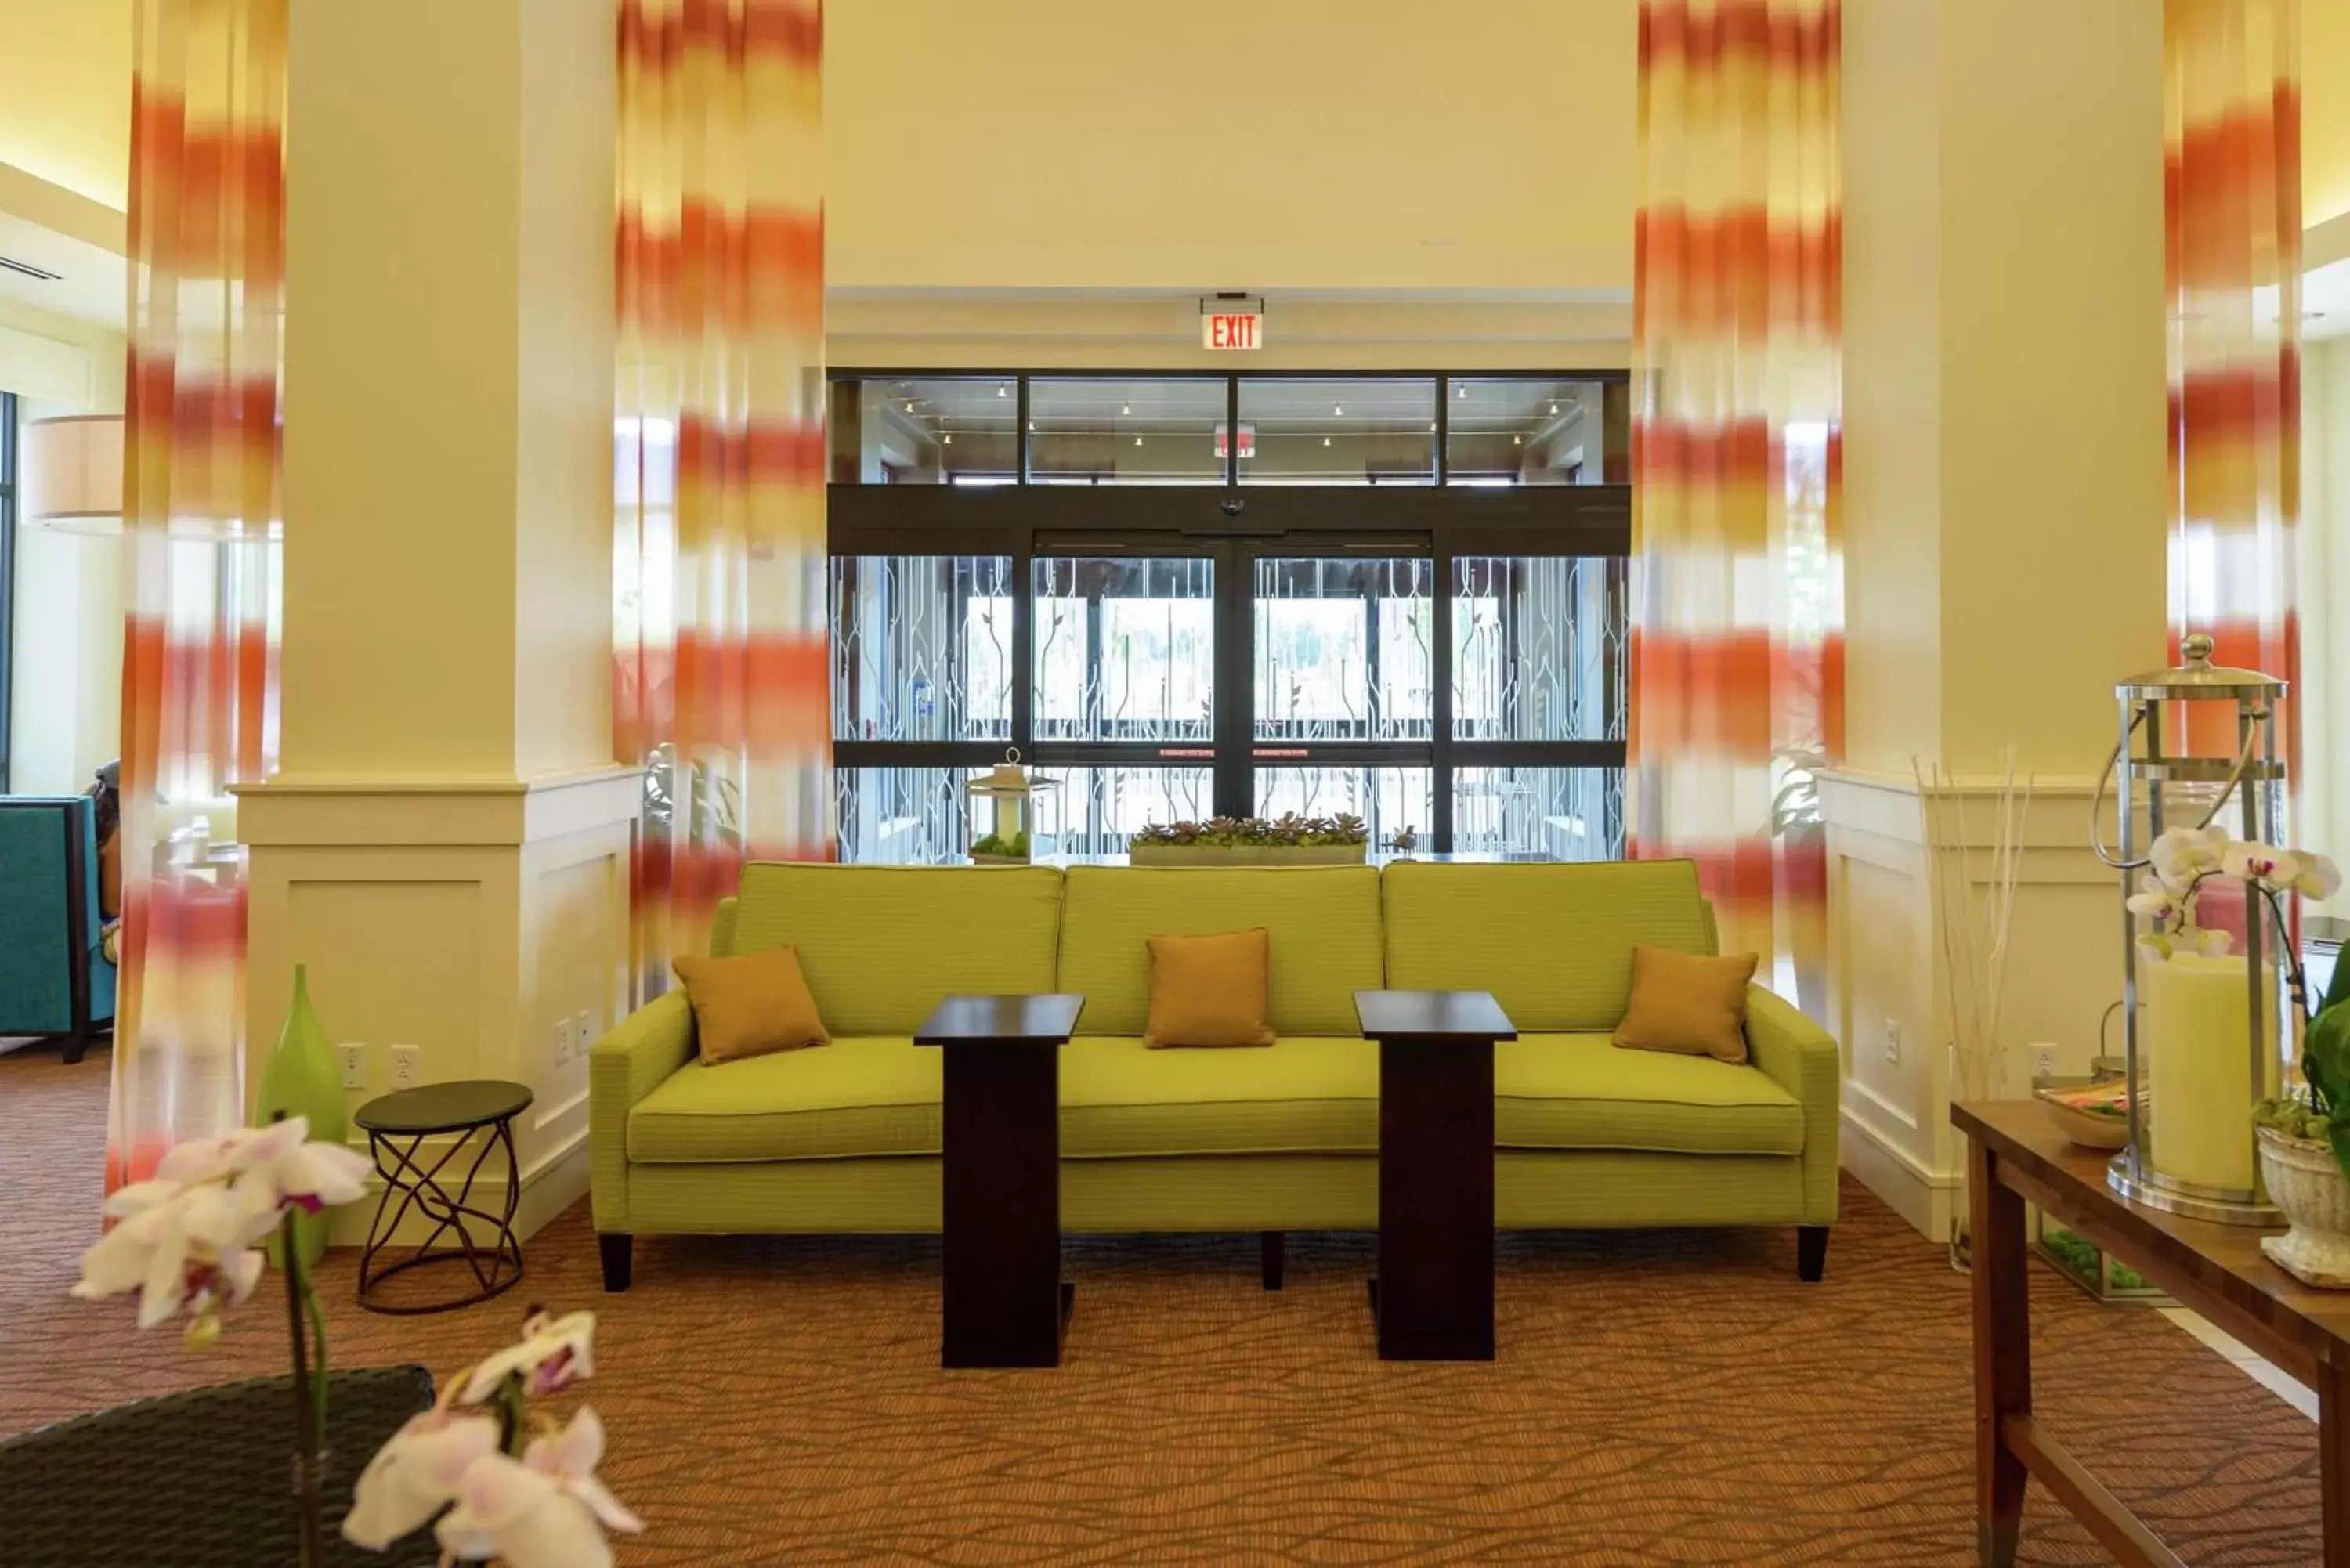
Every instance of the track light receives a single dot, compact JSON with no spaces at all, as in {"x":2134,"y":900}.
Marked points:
{"x":1554,"y":408}
{"x":1125,"y":407}
{"x":1338,"y":410}
{"x":1326,"y":441}
{"x":1003,"y":393}
{"x":1138,"y":440}
{"x":1461,"y":391}
{"x":1517,"y":440}
{"x":950,"y":439}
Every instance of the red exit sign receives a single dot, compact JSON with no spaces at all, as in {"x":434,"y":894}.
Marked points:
{"x":1232,"y":329}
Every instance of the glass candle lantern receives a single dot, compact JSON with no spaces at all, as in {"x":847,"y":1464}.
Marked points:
{"x":2205,"y":1035}
{"x":1004,"y":821}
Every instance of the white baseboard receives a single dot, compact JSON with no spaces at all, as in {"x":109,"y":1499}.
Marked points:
{"x":1926,"y":1197}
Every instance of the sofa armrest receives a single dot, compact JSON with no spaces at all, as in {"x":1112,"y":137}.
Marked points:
{"x":623,"y":1067}
{"x":1802,"y":1058}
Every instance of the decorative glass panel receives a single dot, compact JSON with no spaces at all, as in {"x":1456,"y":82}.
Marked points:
{"x":921,"y":647}
{"x":1343,"y":649}
{"x":1549,"y":814}
{"x":1390,"y":800}
{"x":1513,"y":431}
{"x":902,"y":817}
{"x":932,"y":430}
{"x":1125,"y":648}
{"x":1126,"y":432}
{"x":1099,"y":809}
{"x":1297,"y":432}
{"x":1538,"y":648}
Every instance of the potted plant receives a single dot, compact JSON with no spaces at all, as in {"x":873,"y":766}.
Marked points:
{"x":2305,"y":1142}
{"x":1287,"y":840}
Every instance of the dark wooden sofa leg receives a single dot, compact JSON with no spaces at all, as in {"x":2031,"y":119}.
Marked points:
{"x":615,"y":1246}
{"x":1811,"y":1252}
{"x":1273,"y":1247}
{"x":77,"y":1042}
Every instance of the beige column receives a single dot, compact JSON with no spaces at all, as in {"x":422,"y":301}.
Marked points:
{"x":447,"y":842}
{"x":2004,"y":518}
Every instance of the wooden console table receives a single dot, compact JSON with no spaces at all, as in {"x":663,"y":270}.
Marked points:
{"x":1005,"y":1303}
{"x":2014,"y":1155}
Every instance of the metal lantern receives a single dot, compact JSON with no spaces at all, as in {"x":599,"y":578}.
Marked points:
{"x":1003,"y":812}
{"x":2204,"y":1038}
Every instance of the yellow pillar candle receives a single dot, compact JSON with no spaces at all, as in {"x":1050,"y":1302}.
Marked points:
{"x":2199,"y":1085}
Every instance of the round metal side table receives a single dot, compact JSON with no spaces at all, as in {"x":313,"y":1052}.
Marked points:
{"x":480,"y":1112}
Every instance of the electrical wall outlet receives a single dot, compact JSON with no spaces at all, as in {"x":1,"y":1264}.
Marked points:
{"x":584,"y":1029}
{"x":2043,"y":1061}
{"x":1893,"y":1041}
{"x":562,"y":1042}
{"x":354,"y":1060}
{"x":404,"y":1074}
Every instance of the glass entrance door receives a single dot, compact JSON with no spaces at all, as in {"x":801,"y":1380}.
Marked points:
{"x":1342,"y":684}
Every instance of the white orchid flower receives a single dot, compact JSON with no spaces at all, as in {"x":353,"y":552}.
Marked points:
{"x":2156,"y":902}
{"x":2318,"y":877}
{"x":175,"y":1245}
{"x":278,"y":1165}
{"x":2180,"y":854}
{"x":416,"y":1474}
{"x":2262,"y":862}
{"x":555,"y":1353}
{"x":547,"y":1511}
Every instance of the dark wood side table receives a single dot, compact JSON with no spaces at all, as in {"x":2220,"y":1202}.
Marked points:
{"x":484,"y":1107}
{"x":1433,"y":1298}
{"x":1006,"y":1302}
{"x":2014,"y":1155}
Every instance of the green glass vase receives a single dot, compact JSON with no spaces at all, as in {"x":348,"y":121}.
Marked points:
{"x":301,"y":1080}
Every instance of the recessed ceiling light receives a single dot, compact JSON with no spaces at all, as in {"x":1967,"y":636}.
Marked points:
{"x":1517,"y":440}
{"x":1001,"y":393}
{"x":1125,"y":407}
{"x":1554,"y":408}
{"x":1461,"y":391}
{"x":950,"y":438}
{"x":909,"y":407}
{"x":1326,"y":441}
{"x":1338,"y":410}
{"x":1138,"y":440}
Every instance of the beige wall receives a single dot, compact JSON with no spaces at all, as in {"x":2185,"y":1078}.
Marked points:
{"x":2325,"y":110}
{"x":64,"y":93}
{"x":1316,"y":143}
{"x":2004,"y":514}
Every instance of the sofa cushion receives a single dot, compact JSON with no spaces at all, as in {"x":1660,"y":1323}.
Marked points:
{"x":1323,"y":924}
{"x":1303,"y":1093}
{"x":1578,"y":1091}
{"x":880,"y":945}
{"x":875,"y":1096}
{"x":1209,"y":990}
{"x":1552,"y":942}
{"x":859,"y":1096}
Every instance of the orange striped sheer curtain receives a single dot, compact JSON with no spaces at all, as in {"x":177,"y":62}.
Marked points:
{"x":1737,"y":637}
{"x":207,"y":240}
{"x":2234,"y":210}
{"x":719,"y":663}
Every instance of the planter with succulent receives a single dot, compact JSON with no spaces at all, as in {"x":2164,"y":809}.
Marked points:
{"x":1287,"y":840}
{"x":505,"y":1483}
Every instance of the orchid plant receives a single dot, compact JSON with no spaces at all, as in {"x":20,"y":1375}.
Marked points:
{"x":516,"y":1485}
{"x":2182,"y":859}
{"x":523,"y":1485}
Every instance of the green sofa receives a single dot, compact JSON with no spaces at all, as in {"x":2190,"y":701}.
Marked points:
{"x":845,"y":1137}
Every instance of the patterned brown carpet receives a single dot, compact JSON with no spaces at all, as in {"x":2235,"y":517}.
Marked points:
{"x":1660,"y":1399}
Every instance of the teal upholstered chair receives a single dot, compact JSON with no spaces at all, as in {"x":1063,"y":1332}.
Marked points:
{"x":54,"y":976}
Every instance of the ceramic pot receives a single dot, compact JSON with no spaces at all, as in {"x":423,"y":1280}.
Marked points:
{"x":2304,"y":1181}
{"x":301,"y":1080}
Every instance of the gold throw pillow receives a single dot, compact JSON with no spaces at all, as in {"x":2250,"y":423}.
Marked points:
{"x":751,"y":1005}
{"x":1687,"y":1003}
{"x":1210,"y":990}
